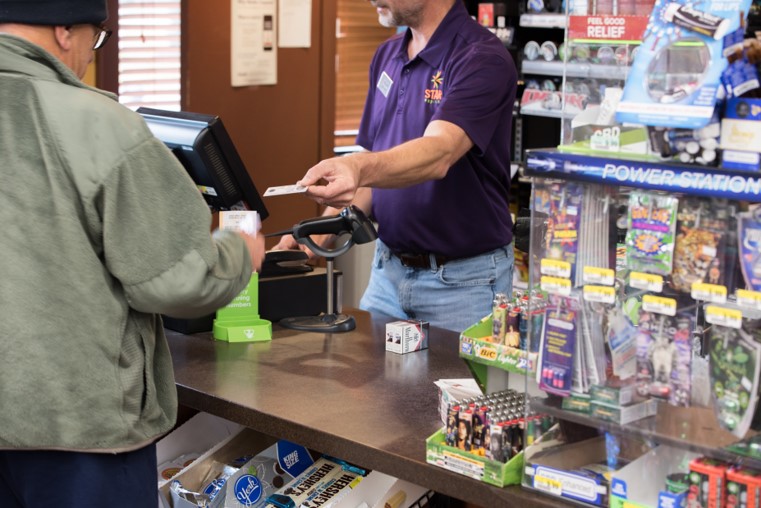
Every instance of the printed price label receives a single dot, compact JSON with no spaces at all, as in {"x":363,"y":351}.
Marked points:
{"x":555,"y":268}
{"x":721,"y":316}
{"x":594,"y":275}
{"x":545,"y":484}
{"x":646,"y":281}
{"x":751,"y":299}
{"x":607,"y":138}
{"x":708,"y":292}
{"x":602,"y":294}
{"x":556,"y":285}
{"x":659,"y":305}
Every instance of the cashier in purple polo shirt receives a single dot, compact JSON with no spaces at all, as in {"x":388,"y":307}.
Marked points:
{"x":436,"y":173}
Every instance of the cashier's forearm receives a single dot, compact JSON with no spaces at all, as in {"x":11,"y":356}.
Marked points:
{"x":426,"y":158}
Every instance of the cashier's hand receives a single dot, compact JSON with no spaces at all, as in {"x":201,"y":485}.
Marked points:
{"x":287,"y":242}
{"x":255,"y":246}
{"x":342,"y":177}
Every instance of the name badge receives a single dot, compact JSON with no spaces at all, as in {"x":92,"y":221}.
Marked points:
{"x":384,"y":84}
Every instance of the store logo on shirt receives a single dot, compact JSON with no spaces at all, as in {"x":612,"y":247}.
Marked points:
{"x":434,"y":94}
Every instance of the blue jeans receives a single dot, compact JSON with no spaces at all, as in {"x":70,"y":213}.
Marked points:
{"x":51,"y":479}
{"x":454,"y":295}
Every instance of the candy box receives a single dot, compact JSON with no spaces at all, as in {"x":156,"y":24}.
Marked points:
{"x":202,"y":482}
{"x":264,"y":473}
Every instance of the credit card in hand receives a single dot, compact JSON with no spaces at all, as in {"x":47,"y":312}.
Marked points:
{"x":284,"y":189}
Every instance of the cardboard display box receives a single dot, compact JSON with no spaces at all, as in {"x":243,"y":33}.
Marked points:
{"x":476,"y":346}
{"x":575,"y":471}
{"x":643,"y":483}
{"x":246,"y":442}
{"x":379,"y":490}
{"x":469,"y":464}
{"x":193,"y":438}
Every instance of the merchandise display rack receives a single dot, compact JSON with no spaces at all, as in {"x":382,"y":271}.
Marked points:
{"x":694,"y":429}
{"x":649,"y":352}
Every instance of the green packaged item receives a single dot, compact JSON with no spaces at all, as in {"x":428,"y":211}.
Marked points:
{"x":650,"y":236}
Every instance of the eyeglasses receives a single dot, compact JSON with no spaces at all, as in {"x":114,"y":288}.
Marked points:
{"x":101,"y":36}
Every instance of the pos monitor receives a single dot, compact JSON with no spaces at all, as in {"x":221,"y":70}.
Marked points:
{"x":204,"y":148}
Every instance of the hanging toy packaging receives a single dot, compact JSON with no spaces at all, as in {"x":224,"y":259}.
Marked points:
{"x":734,"y":360}
{"x":664,"y":354}
{"x":749,"y":239}
{"x":677,"y":73}
{"x":555,"y":370}
{"x":650,"y":234}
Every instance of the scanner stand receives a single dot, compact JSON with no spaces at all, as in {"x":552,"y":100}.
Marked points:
{"x":328,"y":322}
{"x":351,"y":221}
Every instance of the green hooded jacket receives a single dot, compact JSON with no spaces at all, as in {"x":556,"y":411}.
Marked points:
{"x":102,"y":231}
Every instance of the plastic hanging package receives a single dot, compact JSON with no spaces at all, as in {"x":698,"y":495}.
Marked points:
{"x":735,"y":359}
{"x":650,"y":237}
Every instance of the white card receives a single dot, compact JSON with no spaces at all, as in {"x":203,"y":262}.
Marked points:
{"x":284,"y":189}
{"x":246,"y":221}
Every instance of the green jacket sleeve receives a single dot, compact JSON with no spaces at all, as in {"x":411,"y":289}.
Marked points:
{"x":157,"y":241}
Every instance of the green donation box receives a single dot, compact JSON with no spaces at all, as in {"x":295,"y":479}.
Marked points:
{"x":239,"y":321}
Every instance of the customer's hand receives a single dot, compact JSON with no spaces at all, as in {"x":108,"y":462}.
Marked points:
{"x":255,"y":246}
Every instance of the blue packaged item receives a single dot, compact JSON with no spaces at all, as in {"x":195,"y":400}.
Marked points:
{"x":676,"y":74}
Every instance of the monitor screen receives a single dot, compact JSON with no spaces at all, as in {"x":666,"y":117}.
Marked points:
{"x":203,"y":146}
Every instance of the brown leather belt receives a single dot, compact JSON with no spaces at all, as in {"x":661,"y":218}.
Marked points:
{"x":420,"y":260}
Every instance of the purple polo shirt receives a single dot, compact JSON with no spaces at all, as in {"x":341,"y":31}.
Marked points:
{"x":464,"y":76}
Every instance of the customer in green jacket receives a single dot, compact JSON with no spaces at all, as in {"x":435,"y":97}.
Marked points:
{"x":103,"y":231}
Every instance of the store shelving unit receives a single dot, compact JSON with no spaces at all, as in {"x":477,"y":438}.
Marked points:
{"x":676,"y":405}
{"x":692,"y":428}
{"x":539,"y":123}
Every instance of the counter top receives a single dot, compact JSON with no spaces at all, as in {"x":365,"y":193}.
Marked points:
{"x":341,"y":394}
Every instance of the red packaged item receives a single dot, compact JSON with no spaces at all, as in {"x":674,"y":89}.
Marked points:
{"x":486,"y":14}
{"x":743,"y":487}
{"x":707,"y":483}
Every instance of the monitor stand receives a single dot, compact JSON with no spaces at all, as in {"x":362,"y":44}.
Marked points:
{"x":326,"y":323}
